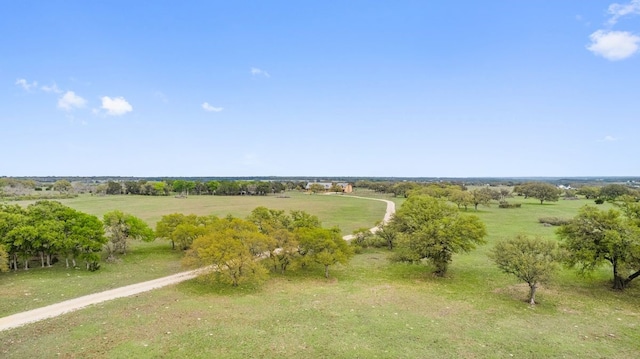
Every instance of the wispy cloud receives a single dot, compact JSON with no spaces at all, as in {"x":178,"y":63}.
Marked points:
{"x":52,"y":89}
{"x":613,"y":45}
{"x":116,"y":106}
{"x":259,"y":72}
{"x":618,"y":11}
{"x":26,"y":85}
{"x":70,"y":101}
{"x":608,"y":139}
{"x":161,"y":96}
{"x":210,"y":108}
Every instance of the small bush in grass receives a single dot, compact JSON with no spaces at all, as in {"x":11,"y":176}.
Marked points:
{"x":505,"y":204}
{"x":554,"y":221}
{"x":599,"y":200}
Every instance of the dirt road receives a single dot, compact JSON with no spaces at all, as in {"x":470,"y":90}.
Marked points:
{"x":54,"y":310}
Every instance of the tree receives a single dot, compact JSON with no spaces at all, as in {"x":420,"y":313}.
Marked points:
{"x":461,"y":198}
{"x":113,"y":188}
{"x":612,"y":191}
{"x":120,"y":227}
{"x":433,"y":230}
{"x":324,"y":246}
{"x":532,"y":260}
{"x":388,"y":234}
{"x":541,"y":191}
{"x":595,"y":237}
{"x":362,"y":237}
{"x":482,"y":196}
{"x":233,"y":247}
{"x":62,"y":186}
{"x":316,"y":188}
{"x":589,"y":192}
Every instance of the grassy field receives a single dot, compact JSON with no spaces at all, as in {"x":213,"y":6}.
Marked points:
{"x":23,"y":290}
{"x":369,"y":309}
{"x":346,"y":213}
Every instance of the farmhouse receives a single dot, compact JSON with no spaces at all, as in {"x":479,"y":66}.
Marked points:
{"x":346,"y":187}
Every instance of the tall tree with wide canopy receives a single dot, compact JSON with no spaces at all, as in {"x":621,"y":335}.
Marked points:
{"x":431,"y":229}
{"x":233,"y":247}
{"x":595,"y":237}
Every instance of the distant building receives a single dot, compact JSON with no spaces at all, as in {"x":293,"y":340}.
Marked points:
{"x":346,"y":187}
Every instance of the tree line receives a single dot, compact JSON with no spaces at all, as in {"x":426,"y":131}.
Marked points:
{"x":51,"y":231}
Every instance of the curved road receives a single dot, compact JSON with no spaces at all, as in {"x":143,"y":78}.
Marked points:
{"x":54,"y":310}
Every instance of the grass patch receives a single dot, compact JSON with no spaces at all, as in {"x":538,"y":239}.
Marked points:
{"x":371,"y":308}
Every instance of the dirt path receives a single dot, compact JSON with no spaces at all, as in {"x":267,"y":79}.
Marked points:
{"x":54,"y":310}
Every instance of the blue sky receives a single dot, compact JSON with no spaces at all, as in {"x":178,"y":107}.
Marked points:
{"x":326,"y":88}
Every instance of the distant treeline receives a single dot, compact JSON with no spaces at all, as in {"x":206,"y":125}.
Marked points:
{"x":508,"y":181}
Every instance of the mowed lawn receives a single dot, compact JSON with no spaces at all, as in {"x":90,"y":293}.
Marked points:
{"x":24,"y":290}
{"x":368,"y":309}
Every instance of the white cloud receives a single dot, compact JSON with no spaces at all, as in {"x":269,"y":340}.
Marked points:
{"x":26,"y":85}
{"x":70,"y":100}
{"x":53,"y":88}
{"x":620,"y":10}
{"x":258,"y":72}
{"x":210,"y":108}
{"x":116,"y":106}
{"x":613,"y":45}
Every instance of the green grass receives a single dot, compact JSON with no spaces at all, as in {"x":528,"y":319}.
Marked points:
{"x":332,"y":210}
{"x":370,"y":309}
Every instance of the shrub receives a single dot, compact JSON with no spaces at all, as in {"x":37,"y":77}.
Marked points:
{"x":599,"y":200}
{"x":505,"y":204}
{"x":554,"y":221}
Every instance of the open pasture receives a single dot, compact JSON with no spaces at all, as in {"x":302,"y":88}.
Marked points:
{"x":370,"y":308}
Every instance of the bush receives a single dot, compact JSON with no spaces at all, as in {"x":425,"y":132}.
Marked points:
{"x":554,"y":221}
{"x":599,"y":200}
{"x":505,"y":204}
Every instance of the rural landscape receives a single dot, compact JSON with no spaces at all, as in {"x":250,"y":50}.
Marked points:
{"x":320,"y":179}
{"x":450,"y":275}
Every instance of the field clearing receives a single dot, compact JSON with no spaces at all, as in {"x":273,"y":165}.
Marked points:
{"x":369,"y":308}
{"x":346,"y":213}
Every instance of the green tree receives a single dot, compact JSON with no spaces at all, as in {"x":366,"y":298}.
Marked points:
{"x":595,"y":237}
{"x":539,"y":190}
{"x":461,"y":198}
{"x":114,"y":187}
{"x":324,"y":246}
{"x":62,"y":186}
{"x":120,"y":228}
{"x":316,"y":188}
{"x":362,"y":237}
{"x":589,"y":192}
{"x":388,"y":234}
{"x":433,"y":230}
{"x":612,"y":191}
{"x":481,"y":196}
{"x":233,"y":247}
{"x":532,"y":260}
